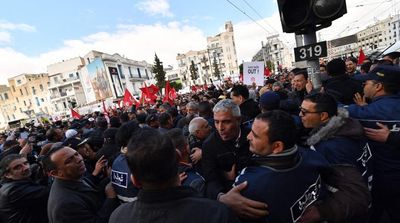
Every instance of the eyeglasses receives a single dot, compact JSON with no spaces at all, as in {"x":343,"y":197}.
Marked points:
{"x":304,"y":111}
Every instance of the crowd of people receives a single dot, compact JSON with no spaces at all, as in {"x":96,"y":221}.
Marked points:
{"x":282,"y":152}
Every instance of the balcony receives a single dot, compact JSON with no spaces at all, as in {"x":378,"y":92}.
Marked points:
{"x":62,"y":82}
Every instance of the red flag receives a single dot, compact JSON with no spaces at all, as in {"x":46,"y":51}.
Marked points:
{"x":166,"y":96}
{"x":170,"y":94}
{"x":129,"y":100}
{"x":75,"y":114}
{"x":361,"y":57}
{"x":149,"y":93}
{"x":194,"y":89}
{"x":267,"y":72}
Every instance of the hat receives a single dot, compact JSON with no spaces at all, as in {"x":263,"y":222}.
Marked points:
{"x":87,"y":140}
{"x":393,"y":54}
{"x":269,"y":100}
{"x":72,"y":142}
{"x":383,"y":73}
{"x":70,"y":133}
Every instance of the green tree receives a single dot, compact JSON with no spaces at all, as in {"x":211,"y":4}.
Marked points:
{"x":158,"y":70}
{"x":270,"y":65}
{"x":217,"y":73}
{"x":176,"y":85}
{"x":193,"y":71}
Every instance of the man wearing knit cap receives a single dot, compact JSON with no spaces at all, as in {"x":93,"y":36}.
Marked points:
{"x":269,"y":101}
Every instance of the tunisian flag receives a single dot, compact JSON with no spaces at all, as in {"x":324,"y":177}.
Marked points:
{"x":170,"y":94}
{"x":361,"y":57}
{"x":149,"y":93}
{"x":129,"y":100}
{"x":75,"y":114}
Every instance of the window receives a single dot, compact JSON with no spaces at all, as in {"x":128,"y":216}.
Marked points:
{"x":13,"y":117}
{"x":5,"y":96}
{"x":18,"y":81}
{"x":65,"y":104}
{"x":147,"y":75}
{"x":138,"y":70}
{"x":20,"y":110}
{"x":41,"y":87}
{"x":33,"y":91}
{"x":130,"y":72}
{"x":20,"y":90}
{"x":71,"y":75}
{"x":26,"y":90}
{"x":17,"y":100}
{"x":120,"y":71}
{"x":42,"y":99}
{"x":37,"y":101}
{"x":13,"y":88}
{"x":24,"y":102}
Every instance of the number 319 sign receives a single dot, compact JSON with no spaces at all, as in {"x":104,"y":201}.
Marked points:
{"x":310,"y":52}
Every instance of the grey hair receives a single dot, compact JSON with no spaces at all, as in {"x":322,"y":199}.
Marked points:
{"x":227,"y":105}
{"x":192,"y":105}
{"x":194,"y":125}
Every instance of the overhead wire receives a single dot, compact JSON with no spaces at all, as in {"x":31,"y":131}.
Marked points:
{"x":358,"y":19}
{"x":255,"y":21}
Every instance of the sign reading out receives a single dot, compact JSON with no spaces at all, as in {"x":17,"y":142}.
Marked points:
{"x":253,"y":72}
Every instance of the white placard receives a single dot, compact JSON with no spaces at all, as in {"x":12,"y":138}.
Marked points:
{"x":253,"y":72}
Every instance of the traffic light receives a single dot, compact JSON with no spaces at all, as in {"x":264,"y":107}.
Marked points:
{"x":299,"y":15}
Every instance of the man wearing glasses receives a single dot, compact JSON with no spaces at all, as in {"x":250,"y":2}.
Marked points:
{"x":338,"y":138}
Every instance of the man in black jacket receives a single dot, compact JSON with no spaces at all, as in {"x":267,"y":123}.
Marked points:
{"x":21,"y":200}
{"x":340,"y":85}
{"x":71,"y":198}
{"x":248,"y":107}
{"x":225,"y":154}
{"x":154,"y":166}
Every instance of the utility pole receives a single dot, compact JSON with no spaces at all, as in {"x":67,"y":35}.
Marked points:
{"x":312,"y":65}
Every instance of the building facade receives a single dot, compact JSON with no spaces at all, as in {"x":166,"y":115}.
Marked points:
{"x":219,"y":57}
{"x":202,"y":65}
{"x":26,"y":97}
{"x":275,"y":51}
{"x":378,"y":36}
{"x":221,"y":49}
{"x":66,"y":90}
{"x":93,"y":78}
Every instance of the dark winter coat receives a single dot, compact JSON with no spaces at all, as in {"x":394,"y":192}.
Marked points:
{"x":249,"y":110}
{"x":23,"y":201}
{"x":75,"y":201}
{"x":342,"y":88}
{"x":177,"y":204}
{"x":219,"y":156}
{"x":341,"y":141}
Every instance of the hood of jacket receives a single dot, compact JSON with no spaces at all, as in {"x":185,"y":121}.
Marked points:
{"x":337,"y":126}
